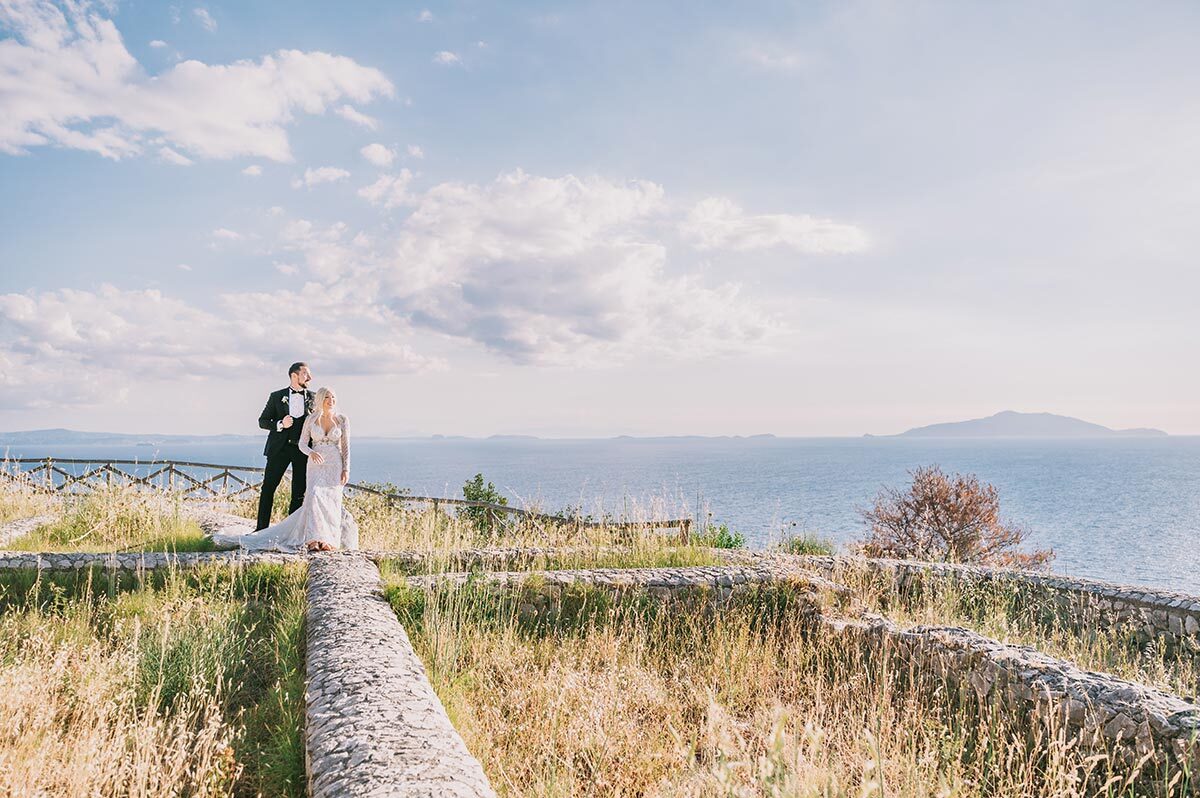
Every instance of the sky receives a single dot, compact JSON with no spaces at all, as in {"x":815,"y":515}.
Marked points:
{"x":593,"y":219}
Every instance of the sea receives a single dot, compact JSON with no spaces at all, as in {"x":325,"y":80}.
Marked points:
{"x":1125,"y":509}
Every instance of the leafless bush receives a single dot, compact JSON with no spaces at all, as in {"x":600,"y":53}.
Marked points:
{"x":947,"y":519}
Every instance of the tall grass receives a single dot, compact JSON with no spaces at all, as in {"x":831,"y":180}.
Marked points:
{"x":1013,"y":613}
{"x":748,"y":701}
{"x":187,"y":683}
{"x":118,"y":519}
{"x":387,"y":524}
{"x":18,"y":500}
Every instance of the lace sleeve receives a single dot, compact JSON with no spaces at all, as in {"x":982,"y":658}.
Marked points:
{"x":306,"y":435}
{"x":345,"y":445}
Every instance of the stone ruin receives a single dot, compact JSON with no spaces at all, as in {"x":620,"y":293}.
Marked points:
{"x":376,"y":727}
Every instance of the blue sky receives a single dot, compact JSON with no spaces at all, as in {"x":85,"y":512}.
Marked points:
{"x":596,"y":219}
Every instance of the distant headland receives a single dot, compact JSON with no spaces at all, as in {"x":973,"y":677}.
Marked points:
{"x":1011,"y":424}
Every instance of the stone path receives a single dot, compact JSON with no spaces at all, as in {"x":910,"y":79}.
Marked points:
{"x":375,"y":726}
{"x":22,"y":527}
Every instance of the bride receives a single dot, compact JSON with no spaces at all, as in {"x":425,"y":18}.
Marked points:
{"x":322,"y":523}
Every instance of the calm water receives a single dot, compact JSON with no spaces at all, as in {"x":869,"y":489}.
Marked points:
{"x":1123,"y":510}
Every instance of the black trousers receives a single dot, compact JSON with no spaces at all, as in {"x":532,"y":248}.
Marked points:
{"x":277,"y":463}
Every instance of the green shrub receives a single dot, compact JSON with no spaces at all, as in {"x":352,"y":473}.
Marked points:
{"x":719,"y":536}
{"x":483,"y":518}
{"x":808,"y":543}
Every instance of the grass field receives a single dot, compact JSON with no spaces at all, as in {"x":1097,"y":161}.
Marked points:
{"x":1011,"y":613}
{"x":118,"y":519}
{"x":615,"y":699}
{"x":190,"y":683}
{"x":18,"y":502}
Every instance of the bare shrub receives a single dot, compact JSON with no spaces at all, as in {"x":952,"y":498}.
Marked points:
{"x":947,"y":519}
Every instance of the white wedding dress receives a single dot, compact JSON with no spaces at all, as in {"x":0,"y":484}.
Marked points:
{"x":323,"y":516}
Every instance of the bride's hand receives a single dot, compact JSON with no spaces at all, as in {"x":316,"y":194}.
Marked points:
{"x":345,"y":477}
{"x":317,"y":458}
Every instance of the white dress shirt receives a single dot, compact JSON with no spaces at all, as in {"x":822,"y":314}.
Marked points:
{"x":295,"y":406}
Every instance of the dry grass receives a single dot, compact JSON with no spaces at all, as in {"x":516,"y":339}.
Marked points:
{"x":189,"y":686}
{"x":748,"y":702}
{"x":386,"y":525}
{"x":1012,"y":614}
{"x":117,"y":519}
{"x":19,"y":501}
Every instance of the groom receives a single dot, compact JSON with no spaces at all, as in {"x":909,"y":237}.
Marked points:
{"x":284,"y":416}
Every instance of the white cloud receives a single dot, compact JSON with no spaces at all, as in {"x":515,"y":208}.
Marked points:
{"x":717,"y":223}
{"x":183,"y":267}
{"x":352,"y":114}
{"x":157,"y":43}
{"x":378,"y":154}
{"x":425,"y":16}
{"x":74,"y":347}
{"x":254,"y":170}
{"x":561,"y":270}
{"x":390,"y":191}
{"x":171,"y":156}
{"x":206,"y":19}
{"x":415,"y":151}
{"x":225,"y":234}
{"x":322,"y":174}
{"x":551,"y":270}
{"x":287,"y":269}
{"x":777,"y":59}
{"x":446,"y":58}
{"x":324,"y":250}
{"x":66,"y":79}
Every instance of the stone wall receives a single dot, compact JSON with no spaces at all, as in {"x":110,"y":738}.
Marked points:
{"x":374,"y":724}
{"x":1172,"y":619}
{"x":1101,"y":711}
{"x":718,"y":583}
{"x":134,"y":561}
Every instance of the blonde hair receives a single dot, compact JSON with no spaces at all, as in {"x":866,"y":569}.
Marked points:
{"x":319,"y":403}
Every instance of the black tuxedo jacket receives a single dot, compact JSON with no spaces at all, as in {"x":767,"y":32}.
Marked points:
{"x":276,"y":409}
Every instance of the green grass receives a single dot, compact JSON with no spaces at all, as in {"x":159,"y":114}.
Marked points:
{"x":643,"y":556}
{"x":118,"y":520}
{"x":808,"y":543}
{"x":65,"y":537}
{"x":214,"y":653}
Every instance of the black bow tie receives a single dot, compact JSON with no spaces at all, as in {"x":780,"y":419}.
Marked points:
{"x":293,"y":390}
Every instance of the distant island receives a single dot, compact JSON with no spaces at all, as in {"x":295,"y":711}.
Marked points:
{"x":1011,"y":424}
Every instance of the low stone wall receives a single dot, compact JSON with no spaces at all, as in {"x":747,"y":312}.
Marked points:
{"x":1172,"y":619}
{"x":716,"y":583}
{"x":375,"y":726}
{"x":497,"y":558}
{"x":1101,"y":711}
{"x":133,"y":561}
